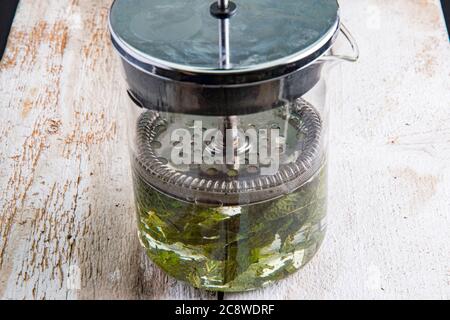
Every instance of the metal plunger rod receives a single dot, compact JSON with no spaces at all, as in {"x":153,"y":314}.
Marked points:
{"x":224,"y":44}
{"x":230,"y":122}
{"x":224,"y":37}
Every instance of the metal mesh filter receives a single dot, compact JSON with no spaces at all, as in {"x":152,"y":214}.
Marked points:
{"x":221,"y":184}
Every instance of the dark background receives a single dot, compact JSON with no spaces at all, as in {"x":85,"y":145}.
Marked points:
{"x":446,"y":8}
{"x":8,"y":9}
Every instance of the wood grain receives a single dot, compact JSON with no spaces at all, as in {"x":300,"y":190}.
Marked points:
{"x":67,"y":221}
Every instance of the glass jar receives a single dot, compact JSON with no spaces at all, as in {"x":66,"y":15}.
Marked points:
{"x":228,"y":133}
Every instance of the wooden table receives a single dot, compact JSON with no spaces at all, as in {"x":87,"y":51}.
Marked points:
{"x":67,"y":227}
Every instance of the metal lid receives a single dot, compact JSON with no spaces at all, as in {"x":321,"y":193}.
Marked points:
{"x":183,"y":40}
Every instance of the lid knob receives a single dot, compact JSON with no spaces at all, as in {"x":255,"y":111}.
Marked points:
{"x":223,"y":9}
{"x":223,"y":4}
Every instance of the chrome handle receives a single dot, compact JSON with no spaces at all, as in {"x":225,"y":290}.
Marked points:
{"x":351,"y":40}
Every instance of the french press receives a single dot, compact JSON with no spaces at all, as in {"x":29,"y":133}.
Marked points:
{"x":228,"y":129}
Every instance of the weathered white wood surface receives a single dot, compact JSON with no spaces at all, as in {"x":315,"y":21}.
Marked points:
{"x":67,"y":227}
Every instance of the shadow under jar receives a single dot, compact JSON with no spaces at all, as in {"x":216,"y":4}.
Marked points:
{"x":228,"y":129}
